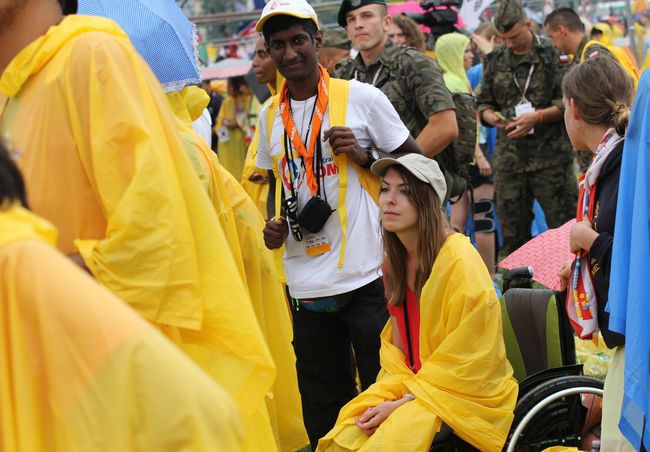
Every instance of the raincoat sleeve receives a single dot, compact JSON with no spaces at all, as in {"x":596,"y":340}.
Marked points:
{"x":82,"y":371}
{"x":465,"y":380}
{"x":157,"y":213}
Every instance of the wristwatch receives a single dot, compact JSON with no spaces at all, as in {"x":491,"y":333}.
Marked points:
{"x":373,"y":156}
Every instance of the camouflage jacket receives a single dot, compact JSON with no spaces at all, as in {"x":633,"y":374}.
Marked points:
{"x":412,"y":82}
{"x":592,"y":51}
{"x":549,"y":145}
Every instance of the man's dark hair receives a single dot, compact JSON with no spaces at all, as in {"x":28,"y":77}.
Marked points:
{"x":566,"y":17}
{"x":12,"y":187}
{"x":69,"y":6}
{"x":595,"y":32}
{"x":282,"y":22}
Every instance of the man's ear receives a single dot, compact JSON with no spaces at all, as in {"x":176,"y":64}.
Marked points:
{"x":318,"y":39}
{"x":387,"y":21}
{"x":561,"y":29}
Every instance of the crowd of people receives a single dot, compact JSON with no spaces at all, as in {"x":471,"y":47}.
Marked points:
{"x":327,"y":278}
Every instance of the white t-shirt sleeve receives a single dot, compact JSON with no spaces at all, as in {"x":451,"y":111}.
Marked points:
{"x":385,"y":127}
{"x":264,"y":159}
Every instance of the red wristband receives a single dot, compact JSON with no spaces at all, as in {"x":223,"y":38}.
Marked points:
{"x":540,"y":116}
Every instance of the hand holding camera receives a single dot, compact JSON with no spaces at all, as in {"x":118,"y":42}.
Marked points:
{"x":275,"y":233}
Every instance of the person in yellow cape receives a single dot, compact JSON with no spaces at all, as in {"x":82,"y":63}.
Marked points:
{"x":102,"y":159}
{"x":236,"y":125}
{"x":443,"y":363}
{"x":242,"y":222}
{"x":82,"y":371}
{"x":253,"y":179}
{"x":605,"y":34}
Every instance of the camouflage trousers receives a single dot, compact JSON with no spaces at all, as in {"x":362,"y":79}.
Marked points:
{"x":555,"y":188}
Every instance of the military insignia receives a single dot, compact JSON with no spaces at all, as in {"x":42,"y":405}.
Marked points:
{"x":355,"y":3}
{"x":564,"y":58}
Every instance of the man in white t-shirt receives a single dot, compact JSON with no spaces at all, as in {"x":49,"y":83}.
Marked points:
{"x":333,"y":272}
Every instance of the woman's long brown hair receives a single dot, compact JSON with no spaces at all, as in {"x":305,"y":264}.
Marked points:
{"x":431,"y":224}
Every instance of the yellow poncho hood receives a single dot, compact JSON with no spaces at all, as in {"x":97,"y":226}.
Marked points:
{"x":450,"y":53}
{"x":608,"y":34}
{"x":81,"y":371}
{"x":39,"y":53}
{"x":465,"y":380}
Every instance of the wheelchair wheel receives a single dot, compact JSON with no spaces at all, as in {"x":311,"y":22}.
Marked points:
{"x":552,"y":414}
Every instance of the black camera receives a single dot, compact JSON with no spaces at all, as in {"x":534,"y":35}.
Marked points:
{"x":439,"y":16}
{"x":291,"y":213}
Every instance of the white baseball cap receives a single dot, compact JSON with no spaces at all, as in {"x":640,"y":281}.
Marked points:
{"x":295,"y":8}
{"x":423,"y":168}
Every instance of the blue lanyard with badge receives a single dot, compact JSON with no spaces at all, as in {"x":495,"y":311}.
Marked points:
{"x":524,"y":105}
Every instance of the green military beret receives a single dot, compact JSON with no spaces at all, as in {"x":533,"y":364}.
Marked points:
{"x":337,"y":38}
{"x":509,"y":13}
{"x":351,"y":5}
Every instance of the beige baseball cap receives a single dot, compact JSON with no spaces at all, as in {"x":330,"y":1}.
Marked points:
{"x":295,"y":8}
{"x":423,"y":168}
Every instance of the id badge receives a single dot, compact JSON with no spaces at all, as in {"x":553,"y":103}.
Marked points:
{"x":223,"y":134}
{"x":316,"y":244}
{"x":524,"y":107}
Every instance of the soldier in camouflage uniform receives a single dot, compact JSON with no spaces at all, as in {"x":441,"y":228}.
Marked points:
{"x":336,"y":47}
{"x":412,"y":82}
{"x":567,"y":32}
{"x":521,"y":93}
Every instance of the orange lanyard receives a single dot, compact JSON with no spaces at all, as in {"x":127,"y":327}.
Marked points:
{"x":317,"y":121}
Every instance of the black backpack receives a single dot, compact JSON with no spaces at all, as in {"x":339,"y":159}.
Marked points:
{"x":456,"y":158}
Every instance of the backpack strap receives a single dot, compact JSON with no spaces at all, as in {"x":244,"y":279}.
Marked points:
{"x":339,"y":94}
{"x":587,"y":45}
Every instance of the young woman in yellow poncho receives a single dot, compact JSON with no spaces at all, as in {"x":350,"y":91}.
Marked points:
{"x":443,"y":363}
{"x":236,"y":125}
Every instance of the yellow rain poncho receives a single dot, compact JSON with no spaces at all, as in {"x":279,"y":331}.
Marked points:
{"x":450,"y":53}
{"x":234,"y":141}
{"x":80,"y":371}
{"x":103,"y":161}
{"x":243,"y":225}
{"x":465,"y":380}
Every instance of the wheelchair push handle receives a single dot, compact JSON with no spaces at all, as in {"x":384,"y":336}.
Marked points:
{"x":522,"y":276}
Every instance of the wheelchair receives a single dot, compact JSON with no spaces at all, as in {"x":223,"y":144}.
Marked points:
{"x":552,"y":406}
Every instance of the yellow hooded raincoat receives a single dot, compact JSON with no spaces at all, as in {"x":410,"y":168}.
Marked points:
{"x":450,"y":53}
{"x":243,"y":225}
{"x":81,"y":371}
{"x":233,"y":142}
{"x":465,"y":380}
{"x":97,"y":144}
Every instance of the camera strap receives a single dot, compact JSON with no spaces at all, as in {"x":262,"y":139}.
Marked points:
{"x":317,"y":160}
